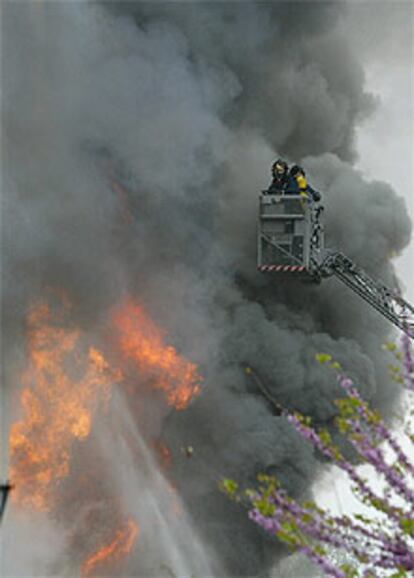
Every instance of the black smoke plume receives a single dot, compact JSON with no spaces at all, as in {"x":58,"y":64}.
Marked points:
{"x":186,"y":105}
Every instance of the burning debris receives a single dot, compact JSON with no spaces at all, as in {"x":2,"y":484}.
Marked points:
{"x":120,"y":546}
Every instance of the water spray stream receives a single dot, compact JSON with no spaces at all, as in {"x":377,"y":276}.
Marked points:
{"x":151,"y":500}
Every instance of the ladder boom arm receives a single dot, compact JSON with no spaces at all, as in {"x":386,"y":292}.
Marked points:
{"x":388,"y":302}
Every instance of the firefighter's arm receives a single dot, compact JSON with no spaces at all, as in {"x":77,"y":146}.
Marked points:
{"x":306,"y":189}
{"x":316,"y":196}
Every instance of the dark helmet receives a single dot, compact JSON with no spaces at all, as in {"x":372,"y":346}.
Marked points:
{"x":280,"y":167}
{"x":297,"y":170}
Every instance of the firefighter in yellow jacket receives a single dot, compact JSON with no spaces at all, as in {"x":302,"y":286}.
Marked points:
{"x":298,"y":184}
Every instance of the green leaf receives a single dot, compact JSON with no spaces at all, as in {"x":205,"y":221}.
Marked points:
{"x":348,"y":570}
{"x":265,"y":507}
{"x":288,"y":538}
{"x":230,"y":487}
{"x":407,"y":526}
{"x":323,"y":358}
{"x":325,"y":437}
{"x":390,"y":346}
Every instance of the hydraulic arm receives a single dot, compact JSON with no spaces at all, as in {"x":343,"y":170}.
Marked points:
{"x":291,"y":242}
{"x":387,"y":302}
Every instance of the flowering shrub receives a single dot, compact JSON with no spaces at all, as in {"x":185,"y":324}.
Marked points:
{"x":381,"y":544}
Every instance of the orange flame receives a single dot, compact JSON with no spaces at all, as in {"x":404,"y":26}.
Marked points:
{"x":62,"y":391}
{"x":142,"y":342}
{"x":119,"y":547}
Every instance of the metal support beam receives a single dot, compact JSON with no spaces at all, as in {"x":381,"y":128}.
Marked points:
{"x":388,"y":303}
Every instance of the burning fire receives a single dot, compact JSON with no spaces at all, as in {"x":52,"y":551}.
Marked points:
{"x":63,"y":388}
{"x":120,"y":546}
{"x":64,"y":382}
{"x":142,"y":342}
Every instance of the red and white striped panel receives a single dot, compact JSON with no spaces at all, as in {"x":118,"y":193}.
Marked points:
{"x":282,"y":268}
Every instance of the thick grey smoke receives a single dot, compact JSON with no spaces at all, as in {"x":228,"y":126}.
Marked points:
{"x":187,"y":104}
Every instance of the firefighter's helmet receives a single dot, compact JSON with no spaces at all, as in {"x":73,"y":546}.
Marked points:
{"x":296,"y":170}
{"x":279,"y":168}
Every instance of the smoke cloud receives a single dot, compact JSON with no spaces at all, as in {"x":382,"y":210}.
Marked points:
{"x":186,"y":105}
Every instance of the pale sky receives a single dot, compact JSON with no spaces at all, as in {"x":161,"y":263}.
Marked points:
{"x":385,"y":144}
{"x":385,"y":40}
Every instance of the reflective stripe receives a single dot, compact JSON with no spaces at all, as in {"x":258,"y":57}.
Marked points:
{"x":283,"y":268}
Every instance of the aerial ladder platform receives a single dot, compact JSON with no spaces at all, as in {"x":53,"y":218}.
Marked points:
{"x":290,"y":242}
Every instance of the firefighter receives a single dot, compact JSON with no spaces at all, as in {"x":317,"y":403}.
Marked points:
{"x":280,"y":178}
{"x":298,"y":184}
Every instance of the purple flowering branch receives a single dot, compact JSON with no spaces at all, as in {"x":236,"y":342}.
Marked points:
{"x":300,"y":526}
{"x":321,"y":524}
{"x":365,"y":440}
{"x":384,"y":544}
{"x":322,"y":441}
{"x":379,"y":430}
{"x":277,"y":513}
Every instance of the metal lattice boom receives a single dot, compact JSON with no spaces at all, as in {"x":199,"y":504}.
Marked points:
{"x":387,"y":302}
{"x":291,"y":243}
